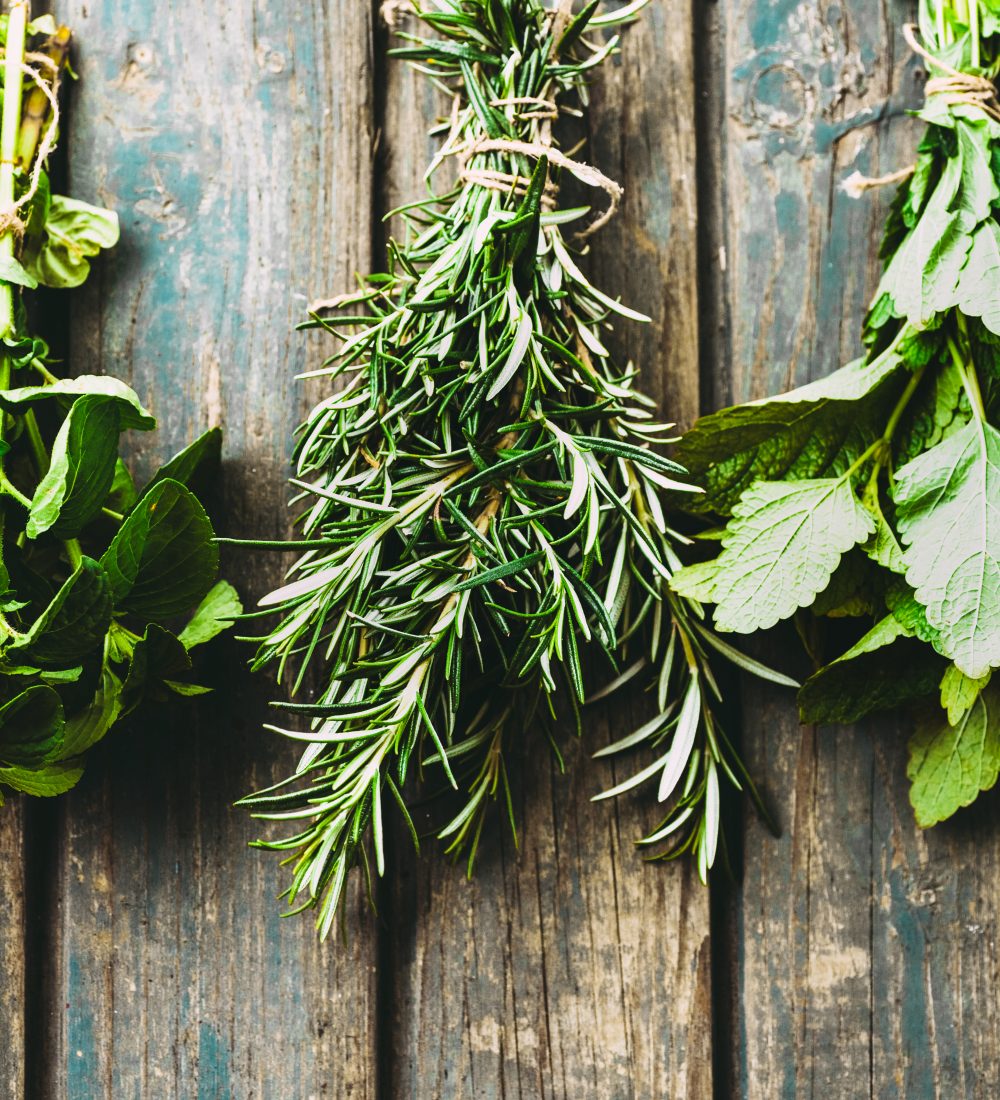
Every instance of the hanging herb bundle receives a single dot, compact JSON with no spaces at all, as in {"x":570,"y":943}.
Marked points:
{"x":875,"y":492}
{"x":93,"y":572}
{"x":481,"y":521}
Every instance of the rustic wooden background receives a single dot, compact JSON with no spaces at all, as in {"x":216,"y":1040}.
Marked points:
{"x":251,"y":149}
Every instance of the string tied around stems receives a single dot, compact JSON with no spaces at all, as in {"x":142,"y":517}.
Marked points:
{"x":954,"y":87}
{"x":10,"y":219}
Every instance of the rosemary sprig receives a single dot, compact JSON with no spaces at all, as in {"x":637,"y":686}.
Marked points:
{"x":482,"y":490}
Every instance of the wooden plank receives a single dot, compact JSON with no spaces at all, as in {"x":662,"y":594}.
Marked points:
{"x":865,"y":948}
{"x":12,"y":947}
{"x":801,"y":264}
{"x":568,"y":968}
{"x":235,"y":143}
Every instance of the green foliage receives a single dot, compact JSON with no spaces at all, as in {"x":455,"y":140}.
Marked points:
{"x":898,"y":453}
{"x":90,"y":568}
{"x":480,"y":499}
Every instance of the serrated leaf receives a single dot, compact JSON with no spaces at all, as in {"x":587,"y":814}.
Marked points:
{"x":158,"y":656}
{"x":185,"y":466}
{"x":87,"y":727}
{"x":132,"y":414}
{"x":31,"y":728}
{"x":814,"y":431}
{"x":696,"y":581}
{"x":907,"y":610}
{"x":978,"y":290}
{"x":45,"y":782}
{"x":74,"y":623}
{"x":216,"y":613}
{"x":75,"y":232}
{"x":883,"y":669}
{"x":122,"y":494}
{"x":950,"y":765}
{"x":948,"y":520}
{"x":163,"y":560}
{"x":12,"y":272}
{"x":921,"y":277}
{"x":883,"y":547}
{"x":959,"y":692}
{"x":782,"y":546}
{"x":81,"y":470}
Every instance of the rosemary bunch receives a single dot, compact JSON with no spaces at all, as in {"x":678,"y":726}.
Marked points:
{"x":482,"y":491}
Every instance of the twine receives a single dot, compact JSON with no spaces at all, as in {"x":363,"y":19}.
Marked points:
{"x":10,"y":222}
{"x":585,"y":173}
{"x":954,"y":87}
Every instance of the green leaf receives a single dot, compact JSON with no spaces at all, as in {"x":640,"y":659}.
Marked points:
{"x":86,"y":728}
{"x":122,"y":494}
{"x":81,"y":470}
{"x":907,"y":610}
{"x":782,"y":546}
{"x":184,"y":467}
{"x":885,"y":668}
{"x":163,"y":559}
{"x":697,"y":581}
{"x":189,"y":691}
{"x":883,"y":547}
{"x":946,"y":510}
{"x":75,"y":231}
{"x":31,"y":728}
{"x":959,"y":692}
{"x":814,"y":431}
{"x":978,"y":290}
{"x":216,"y":613}
{"x":921,"y":277}
{"x":12,"y":272}
{"x":45,"y":782}
{"x":949,"y":765}
{"x":74,"y":623}
{"x":130,"y":409}
{"x":158,"y":656}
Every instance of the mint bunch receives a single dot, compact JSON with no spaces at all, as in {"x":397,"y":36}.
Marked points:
{"x":105,"y":588}
{"x":873,"y":495}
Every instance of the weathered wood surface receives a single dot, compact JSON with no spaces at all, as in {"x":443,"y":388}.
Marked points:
{"x":859,"y":954}
{"x":565,"y":969}
{"x":174,"y":973}
{"x":865,"y":950}
{"x":12,"y":949}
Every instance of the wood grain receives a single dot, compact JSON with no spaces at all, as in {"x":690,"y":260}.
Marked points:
{"x":865,"y":948}
{"x":567,"y":968}
{"x":12,"y":948}
{"x":235,"y":142}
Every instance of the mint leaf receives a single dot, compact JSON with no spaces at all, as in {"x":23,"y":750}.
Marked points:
{"x":813,"y":431}
{"x":158,"y":656}
{"x":31,"y":728}
{"x":133,"y":415}
{"x":163,"y":559}
{"x":81,"y":470}
{"x":885,"y":668}
{"x":216,"y":613}
{"x":75,"y":231}
{"x":959,"y":692}
{"x":184,"y":467}
{"x":46,"y":781}
{"x":696,"y":581}
{"x":950,"y":764}
{"x":782,"y":546}
{"x":978,"y":291}
{"x":74,"y":623}
{"x":87,"y":727}
{"x":948,"y":520}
